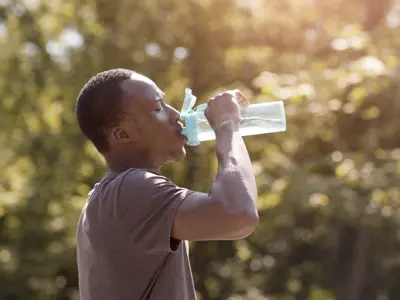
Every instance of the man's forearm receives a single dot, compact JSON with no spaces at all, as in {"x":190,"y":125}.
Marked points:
{"x":235,"y":177}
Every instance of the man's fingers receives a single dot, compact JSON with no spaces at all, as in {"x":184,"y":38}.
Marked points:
{"x":242,"y":100}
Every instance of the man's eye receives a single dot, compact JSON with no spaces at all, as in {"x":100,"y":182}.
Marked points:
{"x":158,"y":109}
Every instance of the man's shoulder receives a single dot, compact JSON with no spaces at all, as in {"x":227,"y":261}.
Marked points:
{"x":127,"y":177}
{"x":139,"y":178}
{"x":146,"y":189}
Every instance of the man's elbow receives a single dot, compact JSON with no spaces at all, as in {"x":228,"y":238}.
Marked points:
{"x":248,"y":223}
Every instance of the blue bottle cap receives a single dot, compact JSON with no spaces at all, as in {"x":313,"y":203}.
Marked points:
{"x":190,"y":130}
{"x":190,"y":119}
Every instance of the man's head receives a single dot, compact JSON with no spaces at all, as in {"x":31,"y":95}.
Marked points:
{"x":124,"y":114}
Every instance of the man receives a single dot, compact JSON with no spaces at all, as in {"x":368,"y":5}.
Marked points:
{"x":133,"y":231}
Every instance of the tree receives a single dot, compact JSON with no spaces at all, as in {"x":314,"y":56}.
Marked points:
{"x":328,"y":186}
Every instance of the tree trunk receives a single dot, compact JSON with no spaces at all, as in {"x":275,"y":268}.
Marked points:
{"x":351,"y":282}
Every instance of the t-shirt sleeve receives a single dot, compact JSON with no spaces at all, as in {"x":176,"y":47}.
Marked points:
{"x":146,"y":207}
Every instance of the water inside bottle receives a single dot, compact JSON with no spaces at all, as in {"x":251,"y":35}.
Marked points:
{"x":248,"y":126}
{"x":259,"y":118}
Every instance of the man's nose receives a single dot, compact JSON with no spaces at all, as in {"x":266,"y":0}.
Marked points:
{"x":174,"y":114}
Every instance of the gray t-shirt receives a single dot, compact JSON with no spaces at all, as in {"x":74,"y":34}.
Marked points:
{"x":125,"y":251}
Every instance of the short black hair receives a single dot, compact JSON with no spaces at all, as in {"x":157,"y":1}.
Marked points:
{"x":100,"y":105}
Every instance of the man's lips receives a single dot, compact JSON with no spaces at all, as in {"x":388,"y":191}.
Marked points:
{"x":179,"y":131}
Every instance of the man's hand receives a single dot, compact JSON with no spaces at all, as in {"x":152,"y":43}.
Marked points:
{"x":225,"y":107}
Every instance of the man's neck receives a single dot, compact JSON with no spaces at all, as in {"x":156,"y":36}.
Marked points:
{"x":120,"y":163}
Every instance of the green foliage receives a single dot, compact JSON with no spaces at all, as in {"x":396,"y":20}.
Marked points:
{"x":328,"y":187}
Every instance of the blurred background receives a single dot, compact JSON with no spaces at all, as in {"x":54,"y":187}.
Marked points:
{"x":329,"y":187}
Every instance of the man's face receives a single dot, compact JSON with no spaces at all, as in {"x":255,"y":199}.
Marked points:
{"x":152,"y":125}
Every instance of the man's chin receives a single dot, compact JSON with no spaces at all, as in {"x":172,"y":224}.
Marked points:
{"x":177,"y":156}
{"x":180,"y":155}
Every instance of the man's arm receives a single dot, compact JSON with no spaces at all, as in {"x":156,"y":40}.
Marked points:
{"x":229,"y":211}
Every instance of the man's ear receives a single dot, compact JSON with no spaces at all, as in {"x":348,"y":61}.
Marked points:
{"x":121,"y":136}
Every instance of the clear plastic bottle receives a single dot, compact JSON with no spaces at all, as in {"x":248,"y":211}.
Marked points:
{"x":260,"y":118}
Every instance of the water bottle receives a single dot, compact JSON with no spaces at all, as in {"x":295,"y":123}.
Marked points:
{"x":255,"y":119}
